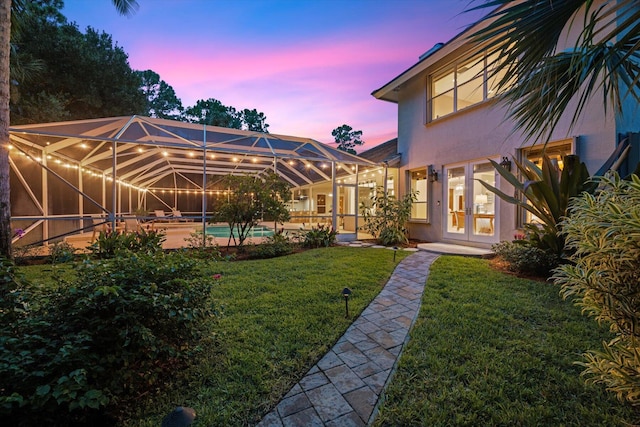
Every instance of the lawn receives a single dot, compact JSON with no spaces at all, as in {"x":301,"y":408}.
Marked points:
{"x":490,"y":349}
{"x":278,"y":317}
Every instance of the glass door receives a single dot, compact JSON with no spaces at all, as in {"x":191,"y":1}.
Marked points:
{"x":470,"y":210}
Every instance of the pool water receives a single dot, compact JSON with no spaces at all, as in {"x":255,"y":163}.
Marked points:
{"x":223,"y":231}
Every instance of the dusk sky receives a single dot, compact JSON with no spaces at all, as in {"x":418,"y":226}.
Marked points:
{"x":309,"y":66}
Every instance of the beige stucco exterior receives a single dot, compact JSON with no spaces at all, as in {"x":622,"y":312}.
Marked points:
{"x":475,"y":134}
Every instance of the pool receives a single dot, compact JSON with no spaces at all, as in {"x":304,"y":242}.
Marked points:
{"x":223,"y":231}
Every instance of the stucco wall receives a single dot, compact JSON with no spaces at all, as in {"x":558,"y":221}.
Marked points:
{"x":478,"y":133}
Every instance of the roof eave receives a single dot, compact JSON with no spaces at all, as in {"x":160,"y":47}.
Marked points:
{"x":389,"y":92}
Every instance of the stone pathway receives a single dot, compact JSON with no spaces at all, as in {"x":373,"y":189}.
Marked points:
{"x":343,"y":388}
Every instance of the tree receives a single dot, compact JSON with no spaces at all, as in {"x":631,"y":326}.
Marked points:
{"x":5,"y":200}
{"x":214,"y":113}
{"x":347,"y":138}
{"x":254,"y":121}
{"x":162,"y":101}
{"x":84,"y":75}
{"x":540,"y":78}
{"x":123,"y":6}
{"x":251,"y":199}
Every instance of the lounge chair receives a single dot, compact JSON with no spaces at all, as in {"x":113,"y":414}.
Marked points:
{"x":131,"y":225}
{"x":177,"y":215}
{"x":99,"y":225}
{"x":161,"y":216}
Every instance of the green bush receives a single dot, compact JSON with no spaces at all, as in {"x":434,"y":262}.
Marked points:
{"x":388,"y":225}
{"x":111,"y":243}
{"x":61,"y":252}
{"x":112,"y":334}
{"x":273,"y":246}
{"x":524,"y":258}
{"x":604,"y":279}
{"x":317,"y":237}
{"x":546,"y":192}
{"x":210,"y":249}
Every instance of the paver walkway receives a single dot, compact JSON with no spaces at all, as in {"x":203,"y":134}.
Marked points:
{"x":343,"y":388}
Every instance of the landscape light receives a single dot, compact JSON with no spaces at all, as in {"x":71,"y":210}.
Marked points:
{"x":346,"y":293}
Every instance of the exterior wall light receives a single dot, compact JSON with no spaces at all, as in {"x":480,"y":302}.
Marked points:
{"x":506,"y":163}
{"x":346,"y":293}
{"x":433,"y":174}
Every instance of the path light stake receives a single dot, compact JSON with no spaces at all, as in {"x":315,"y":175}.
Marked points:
{"x":346,"y":292}
{"x":182,"y":416}
{"x":395,"y":249}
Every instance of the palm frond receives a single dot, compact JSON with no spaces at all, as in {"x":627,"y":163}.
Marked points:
{"x":529,"y":38}
{"x":126,"y":7}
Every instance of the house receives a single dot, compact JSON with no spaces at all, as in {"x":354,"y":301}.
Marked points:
{"x":450,"y":125}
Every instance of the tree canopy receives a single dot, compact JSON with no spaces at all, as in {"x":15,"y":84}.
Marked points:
{"x":347,"y":138}
{"x":215,"y":113}
{"x":83,"y":75}
{"x":162,"y":101}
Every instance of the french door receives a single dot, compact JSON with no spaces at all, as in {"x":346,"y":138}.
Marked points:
{"x":470,"y":209}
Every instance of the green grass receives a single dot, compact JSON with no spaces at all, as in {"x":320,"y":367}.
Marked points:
{"x":278,"y":318}
{"x":490,"y":349}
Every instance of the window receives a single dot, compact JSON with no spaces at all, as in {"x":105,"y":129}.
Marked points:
{"x":419,"y":184}
{"x":556,"y":152}
{"x":462,"y":85}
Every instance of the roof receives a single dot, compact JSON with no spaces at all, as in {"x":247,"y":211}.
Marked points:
{"x":387,"y":152}
{"x":155,"y":153}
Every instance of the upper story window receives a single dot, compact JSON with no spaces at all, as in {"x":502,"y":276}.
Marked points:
{"x":462,"y":85}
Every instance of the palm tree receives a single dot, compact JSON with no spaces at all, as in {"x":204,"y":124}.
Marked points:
{"x":124,"y":7}
{"x":529,"y":37}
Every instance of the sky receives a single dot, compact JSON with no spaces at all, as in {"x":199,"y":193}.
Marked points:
{"x":309,"y":65}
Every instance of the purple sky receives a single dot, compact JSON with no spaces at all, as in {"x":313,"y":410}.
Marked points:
{"x":309,"y":65}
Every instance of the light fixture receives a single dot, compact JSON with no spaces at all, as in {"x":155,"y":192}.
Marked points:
{"x":346,"y":293}
{"x":433,"y":174}
{"x":506,"y":163}
{"x":179,"y":417}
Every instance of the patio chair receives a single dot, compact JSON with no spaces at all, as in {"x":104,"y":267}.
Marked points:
{"x":177,"y":215}
{"x":99,"y":225}
{"x":131,"y":225}
{"x":161,"y":216}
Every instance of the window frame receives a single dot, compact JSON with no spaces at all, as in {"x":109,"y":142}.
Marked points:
{"x":523,"y":216}
{"x":410,"y":187}
{"x":454,"y":68}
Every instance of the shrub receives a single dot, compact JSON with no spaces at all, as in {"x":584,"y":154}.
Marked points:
{"x":524,"y":258}
{"x":545,"y":192}
{"x":322,"y":236}
{"x":111,"y":243}
{"x":112,"y":334}
{"x":604,"y":279}
{"x":210,"y":249}
{"x":62,"y":252}
{"x":273,"y":246}
{"x":388,"y":225}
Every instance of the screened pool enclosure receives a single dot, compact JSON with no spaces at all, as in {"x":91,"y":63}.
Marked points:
{"x":66,"y":176}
